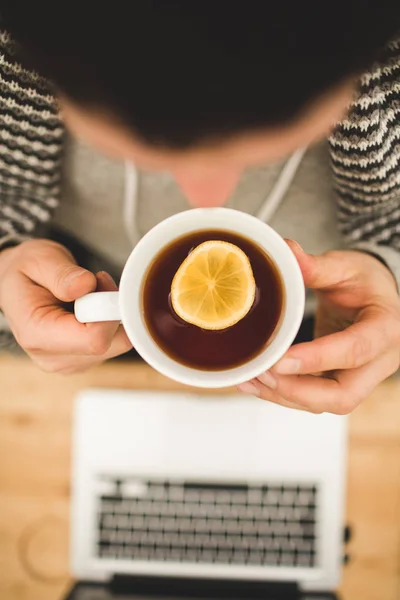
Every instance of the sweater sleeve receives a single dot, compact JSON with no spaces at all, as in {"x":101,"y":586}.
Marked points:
{"x":31,"y":136}
{"x":365,"y":155}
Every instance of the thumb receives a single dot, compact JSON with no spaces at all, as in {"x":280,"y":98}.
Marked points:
{"x":323,"y":271}
{"x":53,"y":268}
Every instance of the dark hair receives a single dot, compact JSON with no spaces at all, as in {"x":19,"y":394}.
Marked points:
{"x":180,"y":72}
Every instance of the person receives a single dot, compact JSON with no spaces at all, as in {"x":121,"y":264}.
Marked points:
{"x":197,"y":95}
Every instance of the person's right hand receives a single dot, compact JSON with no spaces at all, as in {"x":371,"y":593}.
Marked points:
{"x":37,"y":279}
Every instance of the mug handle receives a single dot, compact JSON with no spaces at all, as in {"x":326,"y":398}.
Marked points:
{"x":98,"y":306}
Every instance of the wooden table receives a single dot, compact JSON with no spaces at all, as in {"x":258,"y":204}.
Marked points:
{"x":35,"y":452}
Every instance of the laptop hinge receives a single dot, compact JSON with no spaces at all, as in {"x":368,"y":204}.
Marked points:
{"x":204,"y":588}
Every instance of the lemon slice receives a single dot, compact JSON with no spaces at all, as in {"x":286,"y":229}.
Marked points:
{"x":214,"y":287}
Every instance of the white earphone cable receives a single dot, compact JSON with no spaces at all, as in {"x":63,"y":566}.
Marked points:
{"x":130,"y":200}
{"x":281,"y":186}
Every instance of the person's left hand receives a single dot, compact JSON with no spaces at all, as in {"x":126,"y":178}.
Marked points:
{"x":357,"y":341}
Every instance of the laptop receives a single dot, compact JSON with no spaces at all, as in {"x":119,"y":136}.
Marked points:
{"x":179,"y":495}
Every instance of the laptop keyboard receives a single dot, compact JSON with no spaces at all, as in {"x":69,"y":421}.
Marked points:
{"x":210,"y":523}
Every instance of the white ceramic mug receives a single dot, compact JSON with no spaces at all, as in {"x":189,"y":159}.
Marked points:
{"x":126,"y":304}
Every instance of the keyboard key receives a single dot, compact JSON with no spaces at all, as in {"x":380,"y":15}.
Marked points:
{"x":271,"y":558}
{"x":239,"y":557}
{"x":287,"y":559}
{"x":209,"y":523}
{"x":223,"y":556}
{"x":255,"y":558}
{"x":304,"y":560}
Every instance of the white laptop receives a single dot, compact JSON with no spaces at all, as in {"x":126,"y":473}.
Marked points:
{"x":179,"y":495}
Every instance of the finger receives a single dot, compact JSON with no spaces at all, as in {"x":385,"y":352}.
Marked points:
{"x":322,"y":271}
{"x":51,"y":266}
{"x":353,"y":347}
{"x":119,"y":345}
{"x":256,"y":388}
{"x":40,"y":325}
{"x":329,"y":270}
{"x":67,"y":365}
{"x":105,"y":283}
{"x":107,"y":330}
{"x":339,"y":271}
{"x":341,"y":393}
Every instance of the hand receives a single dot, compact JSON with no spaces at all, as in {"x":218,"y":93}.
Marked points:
{"x":37,"y":279}
{"x":357,"y":331}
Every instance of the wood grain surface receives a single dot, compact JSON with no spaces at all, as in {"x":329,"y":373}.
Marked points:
{"x":35,"y":453}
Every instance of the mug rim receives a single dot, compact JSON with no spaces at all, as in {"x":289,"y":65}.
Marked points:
{"x":186,"y":222}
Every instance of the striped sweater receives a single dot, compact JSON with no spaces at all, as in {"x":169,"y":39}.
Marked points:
{"x":364,"y":147}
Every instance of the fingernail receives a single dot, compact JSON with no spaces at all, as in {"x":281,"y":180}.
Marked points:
{"x":268,"y":379}
{"x":288,"y":366}
{"x":248,"y":388}
{"x":106,"y":277}
{"x":296,"y":245}
{"x":73,"y":274}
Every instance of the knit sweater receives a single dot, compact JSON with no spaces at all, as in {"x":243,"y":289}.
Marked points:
{"x":364,"y":147}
